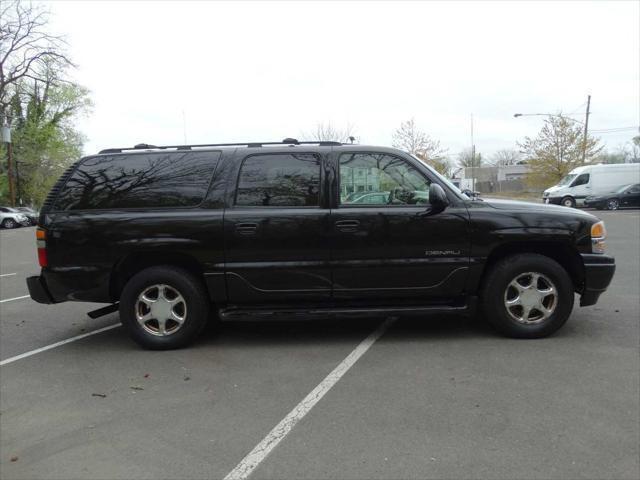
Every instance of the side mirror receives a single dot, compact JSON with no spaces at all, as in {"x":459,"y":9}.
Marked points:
{"x":437,"y":198}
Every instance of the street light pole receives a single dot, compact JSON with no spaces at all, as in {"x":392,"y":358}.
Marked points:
{"x":585,"y":123}
{"x":6,"y":137}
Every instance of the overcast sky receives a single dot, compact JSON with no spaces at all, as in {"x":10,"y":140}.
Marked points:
{"x":264,"y":71}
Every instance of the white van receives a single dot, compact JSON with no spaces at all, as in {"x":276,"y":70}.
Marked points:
{"x":591,"y":180}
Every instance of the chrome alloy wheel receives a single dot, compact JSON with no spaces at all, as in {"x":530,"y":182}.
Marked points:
{"x":161,"y":310}
{"x":530,"y":298}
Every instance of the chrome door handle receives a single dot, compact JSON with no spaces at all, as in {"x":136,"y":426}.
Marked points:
{"x":246,"y":228}
{"x":347,"y":225}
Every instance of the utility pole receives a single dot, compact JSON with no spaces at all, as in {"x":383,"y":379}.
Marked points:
{"x":473,"y":159}
{"x":586,"y":129}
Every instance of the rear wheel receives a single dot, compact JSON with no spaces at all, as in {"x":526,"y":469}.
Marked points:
{"x":568,"y":202}
{"x":9,"y":223}
{"x":527,"y":296}
{"x":164,"y":307}
{"x":613,"y":204}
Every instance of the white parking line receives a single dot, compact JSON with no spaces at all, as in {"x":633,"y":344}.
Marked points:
{"x":57,"y":344}
{"x":6,"y":274}
{"x":14,"y":298}
{"x":275,"y":436}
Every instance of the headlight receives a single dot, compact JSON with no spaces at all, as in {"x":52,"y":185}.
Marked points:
{"x":22,"y":217}
{"x":598,"y":236}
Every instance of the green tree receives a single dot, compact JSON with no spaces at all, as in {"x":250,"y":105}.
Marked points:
{"x":38,"y":101}
{"x":556,"y":150}
{"x":45,"y":140}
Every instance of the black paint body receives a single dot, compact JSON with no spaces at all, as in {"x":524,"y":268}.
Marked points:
{"x":329,"y":258}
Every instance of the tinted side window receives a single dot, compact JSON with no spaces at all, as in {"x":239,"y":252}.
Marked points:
{"x":380,"y":179}
{"x":279,"y":180}
{"x":172,"y":179}
{"x":581,"y":180}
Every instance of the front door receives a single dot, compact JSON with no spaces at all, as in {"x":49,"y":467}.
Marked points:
{"x":276,"y":231}
{"x":580,"y":187}
{"x":631,"y":197}
{"x":393,"y":248}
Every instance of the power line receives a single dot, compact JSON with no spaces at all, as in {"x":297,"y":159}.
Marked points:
{"x":614,"y":129}
{"x":577,"y":109}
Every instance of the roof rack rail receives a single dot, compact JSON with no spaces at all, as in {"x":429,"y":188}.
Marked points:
{"x":287,"y":141}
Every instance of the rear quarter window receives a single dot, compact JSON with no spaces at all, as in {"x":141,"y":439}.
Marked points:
{"x":143,"y":180}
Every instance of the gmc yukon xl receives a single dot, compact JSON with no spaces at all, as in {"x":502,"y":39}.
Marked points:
{"x":173,"y":236}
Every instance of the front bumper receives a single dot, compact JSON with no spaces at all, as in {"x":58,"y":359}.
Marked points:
{"x":38,"y":290}
{"x":553,"y":200}
{"x":598,"y":272}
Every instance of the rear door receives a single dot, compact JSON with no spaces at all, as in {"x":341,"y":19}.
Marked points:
{"x":276,"y":228}
{"x":393,"y":250}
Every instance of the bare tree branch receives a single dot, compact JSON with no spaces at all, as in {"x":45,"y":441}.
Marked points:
{"x":27,"y":50}
{"x":325,"y":132}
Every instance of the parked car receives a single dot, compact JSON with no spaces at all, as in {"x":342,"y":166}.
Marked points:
{"x":30,"y":213}
{"x":589,"y":181}
{"x":12,"y":218}
{"x":471,"y":193}
{"x":626,"y":196}
{"x":169,"y":235}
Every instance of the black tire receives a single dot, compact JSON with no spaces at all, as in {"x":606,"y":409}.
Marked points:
{"x":568,"y":202}
{"x":493,"y":295}
{"x":196,"y":306}
{"x":613,"y":204}
{"x":9,"y":223}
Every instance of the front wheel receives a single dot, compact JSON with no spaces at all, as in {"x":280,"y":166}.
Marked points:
{"x":527,"y":296}
{"x":164,"y":307}
{"x":568,"y":202}
{"x":613,"y":204}
{"x":9,"y":223}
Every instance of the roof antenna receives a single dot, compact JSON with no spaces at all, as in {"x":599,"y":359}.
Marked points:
{"x":352,"y":139}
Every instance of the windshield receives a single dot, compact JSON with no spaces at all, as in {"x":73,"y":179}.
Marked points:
{"x":622,"y":189}
{"x":567,"y":179}
{"x":444,"y":179}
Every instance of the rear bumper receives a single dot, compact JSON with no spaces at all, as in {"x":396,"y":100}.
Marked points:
{"x":598,"y":272}
{"x":38,"y":290}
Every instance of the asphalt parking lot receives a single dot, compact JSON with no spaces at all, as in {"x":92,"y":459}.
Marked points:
{"x":431,"y":398}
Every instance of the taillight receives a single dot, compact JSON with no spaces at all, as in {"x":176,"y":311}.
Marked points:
{"x":41,"y":240}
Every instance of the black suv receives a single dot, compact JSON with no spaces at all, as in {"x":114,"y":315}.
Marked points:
{"x":176,"y":235}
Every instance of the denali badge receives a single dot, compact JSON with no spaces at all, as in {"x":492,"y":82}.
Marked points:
{"x":432,"y":253}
